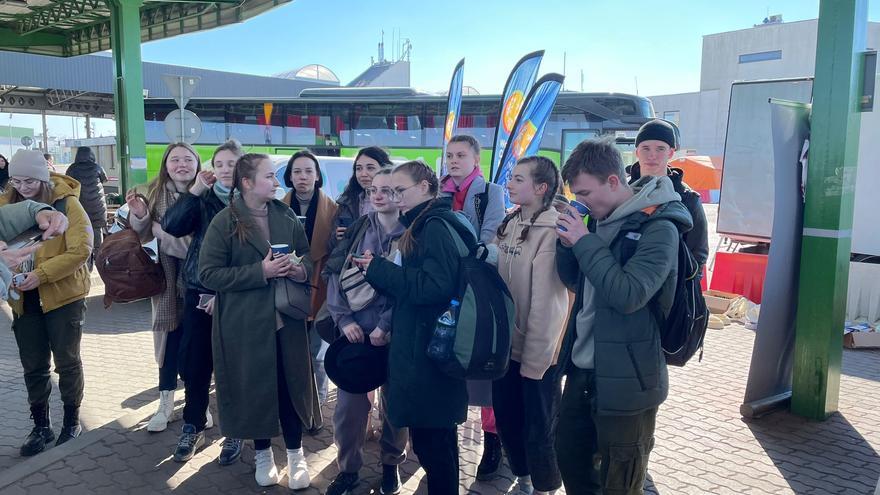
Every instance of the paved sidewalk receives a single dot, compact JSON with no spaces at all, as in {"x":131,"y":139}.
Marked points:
{"x":703,"y":446}
{"x":120,"y":372}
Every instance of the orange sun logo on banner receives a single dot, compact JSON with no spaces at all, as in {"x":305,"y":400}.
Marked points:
{"x":524,"y":138}
{"x":450,"y":123}
{"x":511,"y":109}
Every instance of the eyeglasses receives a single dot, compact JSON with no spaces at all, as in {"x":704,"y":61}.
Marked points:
{"x":25,"y":182}
{"x":385,"y":191}
{"x":398,"y":192}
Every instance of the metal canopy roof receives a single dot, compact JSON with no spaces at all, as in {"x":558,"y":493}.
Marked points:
{"x":76,"y":27}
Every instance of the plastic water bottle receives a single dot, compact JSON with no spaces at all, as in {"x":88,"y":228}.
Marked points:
{"x":442,"y":342}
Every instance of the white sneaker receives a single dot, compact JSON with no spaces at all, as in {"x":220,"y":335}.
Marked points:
{"x":297,"y":470}
{"x":267,"y":472}
{"x":209,"y":420}
{"x":159,"y":421}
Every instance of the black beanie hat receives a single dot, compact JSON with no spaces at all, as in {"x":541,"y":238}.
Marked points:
{"x":657,"y":130}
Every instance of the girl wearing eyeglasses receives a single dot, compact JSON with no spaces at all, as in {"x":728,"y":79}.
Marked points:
{"x":47,"y":317}
{"x":421,"y":396}
{"x":353,"y":202}
{"x":377,"y":232}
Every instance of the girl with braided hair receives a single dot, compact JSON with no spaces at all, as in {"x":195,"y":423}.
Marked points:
{"x":261,"y":356}
{"x":420,"y":396}
{"x":527,"y":398}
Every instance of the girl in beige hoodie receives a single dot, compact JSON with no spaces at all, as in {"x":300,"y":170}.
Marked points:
{"x":526,"y":399}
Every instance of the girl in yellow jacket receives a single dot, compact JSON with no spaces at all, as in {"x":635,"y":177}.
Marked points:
{"x":526,"y":399}
{"x":47,"y":320}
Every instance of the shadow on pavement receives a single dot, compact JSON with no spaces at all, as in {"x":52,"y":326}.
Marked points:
{"x":117,"y":319}
{"x":145,"y":397}
{"x":817,"y":457}
{"x":861,"y":363}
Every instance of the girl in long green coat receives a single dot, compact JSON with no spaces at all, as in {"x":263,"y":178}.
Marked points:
{"x":261,"y":357}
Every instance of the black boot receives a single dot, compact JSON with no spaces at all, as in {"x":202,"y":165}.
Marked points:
{"x":71,"y":428}
{"x":390,"y":480}
{"x":41,"y":434}
{"x":491,"y":459}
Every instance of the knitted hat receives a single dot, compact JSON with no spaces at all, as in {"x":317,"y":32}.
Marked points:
{"x":657,"y":130}
{"x":29,"y":163}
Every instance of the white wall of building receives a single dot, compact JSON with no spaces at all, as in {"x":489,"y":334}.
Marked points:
{"x":696,"y":115}
{"x":702,"y":128}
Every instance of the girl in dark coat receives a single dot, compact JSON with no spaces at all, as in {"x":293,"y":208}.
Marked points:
{"x":261,"y":357}
{"x":421,"y":396}
{"x":304,"y":178}
{"x":190,"y":216}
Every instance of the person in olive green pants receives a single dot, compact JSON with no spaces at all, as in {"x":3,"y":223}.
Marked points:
{"x":617,"y":375}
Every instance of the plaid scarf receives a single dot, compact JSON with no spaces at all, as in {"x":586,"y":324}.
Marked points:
{"x":167,"y":306}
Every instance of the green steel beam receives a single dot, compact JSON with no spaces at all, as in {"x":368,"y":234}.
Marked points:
{"x":83,"y":25}
{"x":125,"y":41}
{"x":828,"y":213}
{"x":11,"y":38}
{"x":58,"y":12}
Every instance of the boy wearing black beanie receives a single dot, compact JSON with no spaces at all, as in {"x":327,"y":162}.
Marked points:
{"x":655,"y":145}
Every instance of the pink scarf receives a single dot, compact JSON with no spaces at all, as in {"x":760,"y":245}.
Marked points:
{"x":459,"y":193}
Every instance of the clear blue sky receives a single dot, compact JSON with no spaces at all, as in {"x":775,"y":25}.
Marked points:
{"x":613,"y":42}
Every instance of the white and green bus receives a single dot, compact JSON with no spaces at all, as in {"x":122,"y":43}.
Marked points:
{"x":409,"y":124}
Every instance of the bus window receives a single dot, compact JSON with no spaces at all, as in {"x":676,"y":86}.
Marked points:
{"x":623,"y":106}
{"x":213,"y":122}
{"x":571,"y":138}
{"x":305,"y":122}
{"x":552,"y":139}
{"x":385,"y":124}
{"x":247,"y":123}
{"x":154,"y":121}
{"x":478,"y":119}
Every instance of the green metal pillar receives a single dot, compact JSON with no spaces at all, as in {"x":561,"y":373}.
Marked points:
{"x":830,"y":190}
{"x":125,"y":42}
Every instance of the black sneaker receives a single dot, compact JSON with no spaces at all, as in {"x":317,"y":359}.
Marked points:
{"x":390,"y":480}
{"x":190,"y":441}
{"x":491,"y":460}
{"x":343,"y":484}
{"x":37,"y":440}
{"x":67,"y":433}
{"x":230,"y":452}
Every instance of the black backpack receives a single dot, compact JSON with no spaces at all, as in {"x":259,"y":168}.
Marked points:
{"x":485,"y":320}
{"x":682,"y":331}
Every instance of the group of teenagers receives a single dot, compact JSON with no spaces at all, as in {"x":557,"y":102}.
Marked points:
{"x":581,"y":312}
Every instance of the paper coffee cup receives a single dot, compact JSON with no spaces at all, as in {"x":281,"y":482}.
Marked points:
{"x":280,"y":249}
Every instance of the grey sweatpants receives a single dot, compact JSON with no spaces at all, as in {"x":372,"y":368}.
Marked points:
{"x":350,"y":431}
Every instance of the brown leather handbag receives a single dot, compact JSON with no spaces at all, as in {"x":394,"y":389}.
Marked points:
{"x":128,"y":271}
